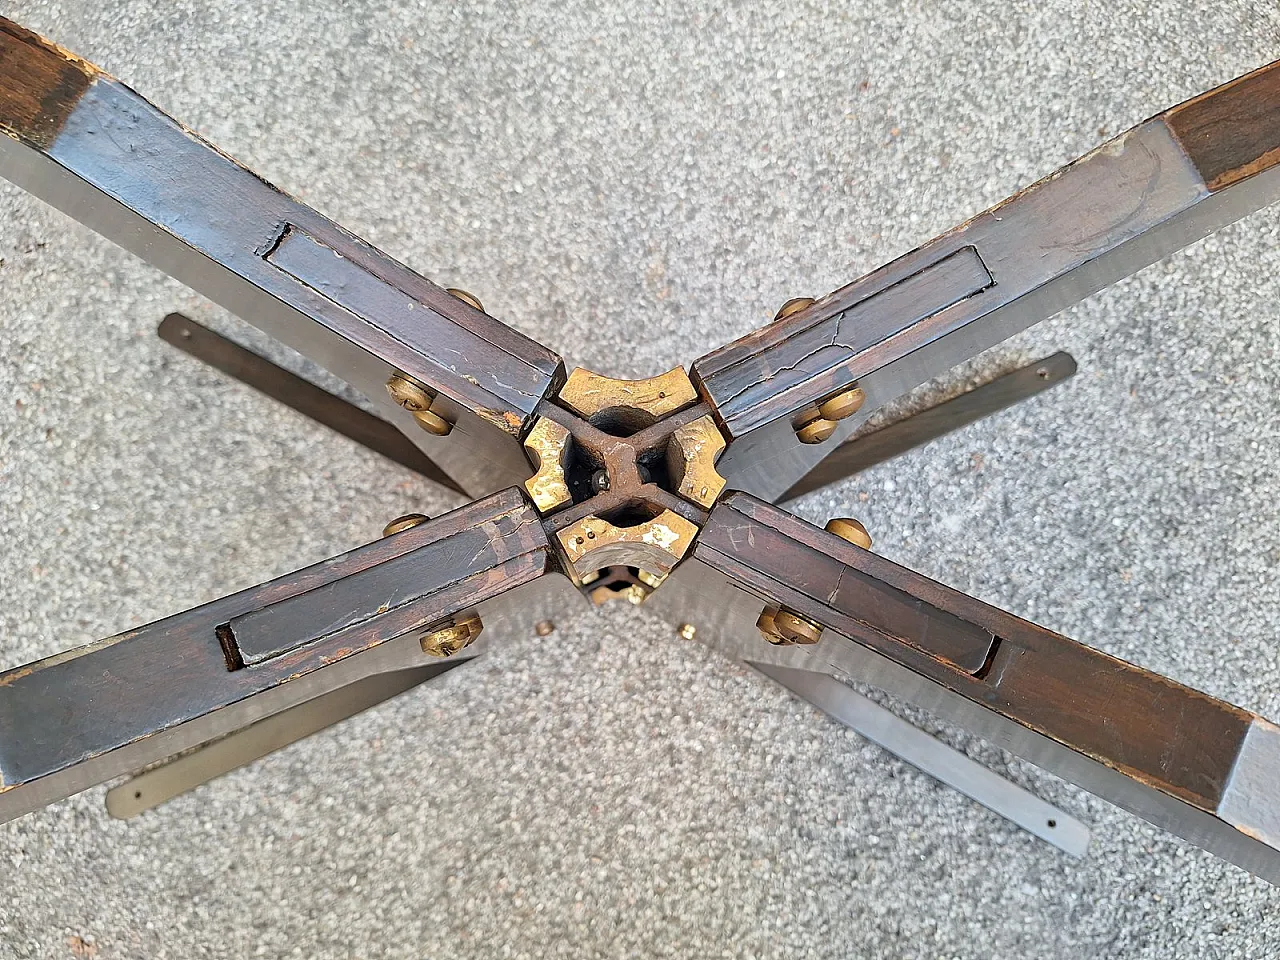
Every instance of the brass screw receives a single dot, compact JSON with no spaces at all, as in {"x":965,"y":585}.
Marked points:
{"x":687,"y":630}
{"x":843,"y":404}
{"x":544,"y":628}
{"x":784,"y":628}
{"x":794,"y":305}
{"x":796,"y":629}
{"x":847,"y":528}
{"x":466,"y":298}
{"x":816,"y":431}
{"x":407,"y":522}
{"x":410,"y":394}
{"x":417,"y":399}
{"x":447,"y":640}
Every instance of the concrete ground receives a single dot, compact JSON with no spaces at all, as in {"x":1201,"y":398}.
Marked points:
{"x":635,"y":185}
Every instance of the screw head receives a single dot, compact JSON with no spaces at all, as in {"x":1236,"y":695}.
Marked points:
{"x":407,"y":522}
{"x":544,"y":628}
{"x":447,"y":640}
{"x":792,"y":306}
{"x":467,"y":298}
{"x":794,"y":628}
{"x":816,"y":431}
{"x":687,"y":630}
{"x":847,"y":528}
{"x":409,"y":394}
{"x":844,"y":404}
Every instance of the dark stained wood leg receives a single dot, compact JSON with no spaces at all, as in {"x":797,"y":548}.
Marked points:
{"x":1188,"y":762}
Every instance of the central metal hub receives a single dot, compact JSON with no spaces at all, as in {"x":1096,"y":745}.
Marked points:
{"x":625,"y":476}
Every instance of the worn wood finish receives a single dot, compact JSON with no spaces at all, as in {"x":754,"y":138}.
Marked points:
{"x":1175,"y":739}
{"x":1166,"y":183}
{"x":40,"y":84}
{"x":300,"y":395}
{"x":81,"y":717}
{"x":864,"y":451}
{"x":1232,"y":132}
{"x":90,"y":146}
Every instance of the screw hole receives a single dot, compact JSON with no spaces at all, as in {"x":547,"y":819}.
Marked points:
{"x":1053,"y":823}
{"x":137,"y":794}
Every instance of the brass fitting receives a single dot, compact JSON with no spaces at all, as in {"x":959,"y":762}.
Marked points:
{"x":547,"y":446}
{"x":417,"y":399}
{"x":407,"y":522}
{"x":794,"y":305}
{"x":783,"y":627}
{"x":654,"y":546}
{"x":636,"y":403}
{"x":447,"y":639}
{"x":831,"y":409}
{"x":847,"y":528}
{"x":467,"y":298}
{"x":691,"y":457}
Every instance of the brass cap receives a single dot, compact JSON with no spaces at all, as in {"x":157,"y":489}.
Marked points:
{"x":433,"y":422}
{"x":816,"y":431}
{"x":796,"y":629}
{"x":843,"y":404}
{"x":466,"y":298}
{"x":794,"y":305}
{"x":447,"y":640}
{"x":410,"y":394}
{"x":847,"y":528}
{"x":407,"y":522}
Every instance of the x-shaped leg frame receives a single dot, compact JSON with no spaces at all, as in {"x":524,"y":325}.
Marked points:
{"x":658,"y":491}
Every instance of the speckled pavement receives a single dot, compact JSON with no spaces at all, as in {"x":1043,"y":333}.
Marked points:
{"x":634,"y":185}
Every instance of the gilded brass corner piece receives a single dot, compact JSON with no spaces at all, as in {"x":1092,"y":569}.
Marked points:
{"x":547,"y":447}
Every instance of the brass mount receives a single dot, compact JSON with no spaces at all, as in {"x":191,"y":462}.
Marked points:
{"x":624,"y":473}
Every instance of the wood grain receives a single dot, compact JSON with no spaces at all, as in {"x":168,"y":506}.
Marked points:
{"x":40,"y":84}
{"x":1164,"y":734}
{"x":76,"y":719}
{"x":1233,"y":131}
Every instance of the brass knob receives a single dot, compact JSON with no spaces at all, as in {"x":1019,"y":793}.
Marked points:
{"x":816,"y":431}
{"x":847,"y":528}
{"x":843,"y":404}
{"x":410,"y":394}
{"x":433,"y":422}
{"x":466,"y":298}
{"x":687,"y":631}
{"x":795,"y":628}
{"x":417,"y":399}
{"x":447,"y":640}
{"x":794,"y":305}
{"x":783,"y":628}
{"x":407,"y":522}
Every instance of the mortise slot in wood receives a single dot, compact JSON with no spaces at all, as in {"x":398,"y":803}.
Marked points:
{"x":230,"y":649}
{"x":984,"y":671}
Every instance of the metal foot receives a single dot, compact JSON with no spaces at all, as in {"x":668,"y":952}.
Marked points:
{"x":865,"y":451}
{"x":299,"y":394}
{"x":209,"y":761}
{"x":934,"y":757}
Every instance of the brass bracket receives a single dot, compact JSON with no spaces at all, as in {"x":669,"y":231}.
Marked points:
{"x":624,"y":474}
